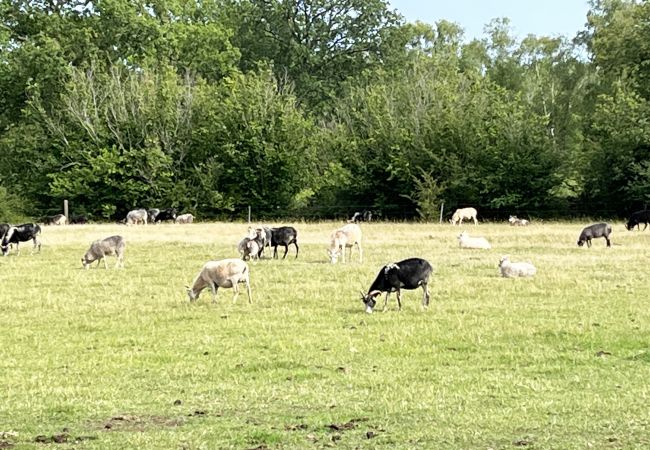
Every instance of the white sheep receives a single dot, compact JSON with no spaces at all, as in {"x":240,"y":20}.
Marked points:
{"x":465,"y":241}
{"x":346,"y":236}
{"x":226,"y":273}
{"x":137,"y":216}
{"x":462,"y":214}
{"x":184,"y":218}
{"x":515,"y":269}
{"x":100,"y":249}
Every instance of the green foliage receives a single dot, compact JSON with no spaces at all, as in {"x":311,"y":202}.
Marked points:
{"x":313,"y":108}
{"x":13,"y":209}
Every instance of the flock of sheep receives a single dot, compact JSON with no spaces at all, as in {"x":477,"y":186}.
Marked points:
{"x":411,"y":273}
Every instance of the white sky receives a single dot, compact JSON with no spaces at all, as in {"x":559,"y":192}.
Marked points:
{"x":539,"y":17}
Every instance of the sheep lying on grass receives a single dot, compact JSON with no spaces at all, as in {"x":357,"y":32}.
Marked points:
{"x":515,"y":269}
{"x":226,"y":273}
{"x":465,"y":241}
{"x":517,"y":222}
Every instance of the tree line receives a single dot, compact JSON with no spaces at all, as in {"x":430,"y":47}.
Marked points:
{"x":297,"y":107}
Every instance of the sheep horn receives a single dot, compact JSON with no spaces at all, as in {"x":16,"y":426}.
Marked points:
{"x":374,"y":293}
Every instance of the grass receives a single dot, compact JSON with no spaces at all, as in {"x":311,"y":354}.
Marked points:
{"x":120,"y":359}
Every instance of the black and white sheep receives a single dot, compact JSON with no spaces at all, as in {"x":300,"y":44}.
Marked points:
{"x":365,"y":216}
{"x":407,"y":274}
{"x":100,"y":249}
{"x":595,"y":231}
{"x":226,"y":273}
{"x":21,"y":233}
{"x":165,"y":214}
{"x":517,"y":222}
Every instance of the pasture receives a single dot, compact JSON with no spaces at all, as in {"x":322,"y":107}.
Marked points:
{"x":99,"y":359}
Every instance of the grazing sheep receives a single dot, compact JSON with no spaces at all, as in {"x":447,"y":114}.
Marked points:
{"x":59,"y":219}
{"x":248,"y":248}
{"x":184,"y":218}
{"x":18,"y":234}
{"x":226,"y":273}
{"x":595,"y":231}
{"x":137,"y":216}
{"x":346,"y":236}
{"x":164,"y":214}
{"x":407,"y":274}
{"x":100,"y":249}
{"x":516,"y":222}
{"x":465,"y":241}
{"x":462,"y":214}
{"x":638,"y":218}
{"x":515,"y":269}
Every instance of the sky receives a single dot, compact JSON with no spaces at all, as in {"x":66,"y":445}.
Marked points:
{"x":539,"y":17}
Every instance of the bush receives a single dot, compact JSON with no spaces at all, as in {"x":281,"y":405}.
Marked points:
{"x":12,"y":208}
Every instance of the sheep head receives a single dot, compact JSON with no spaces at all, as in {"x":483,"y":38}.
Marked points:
{"x":333,"y":255}
{"x":370,"y":300}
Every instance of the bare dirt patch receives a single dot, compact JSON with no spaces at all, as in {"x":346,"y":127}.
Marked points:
{"x":140,"y":423}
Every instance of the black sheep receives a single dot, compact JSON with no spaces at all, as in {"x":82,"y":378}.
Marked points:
{"x":595,"y":231}
{"x":638,"y":218}
{"x":284,"y":236}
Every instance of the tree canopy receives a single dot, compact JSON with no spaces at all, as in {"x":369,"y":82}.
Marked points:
{"x":316,"y":108}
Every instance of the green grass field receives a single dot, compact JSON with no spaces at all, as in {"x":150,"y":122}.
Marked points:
{"x":98,"y":359}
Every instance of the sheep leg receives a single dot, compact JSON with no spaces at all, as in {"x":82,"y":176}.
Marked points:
{"x":105,"y":262}
{"x":296,"y":244}
{"x":214,"y":288}
{"x":475,"y":221}
{"x":425,"y":296}
{"x":386,"y":302}
{"x":286,"y":250}
{"x":235,"y":287}
{"x":609,"y":244}
{"x":399,"y":300}
{"x":248,"y":290}
{"x":360,"y":252}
